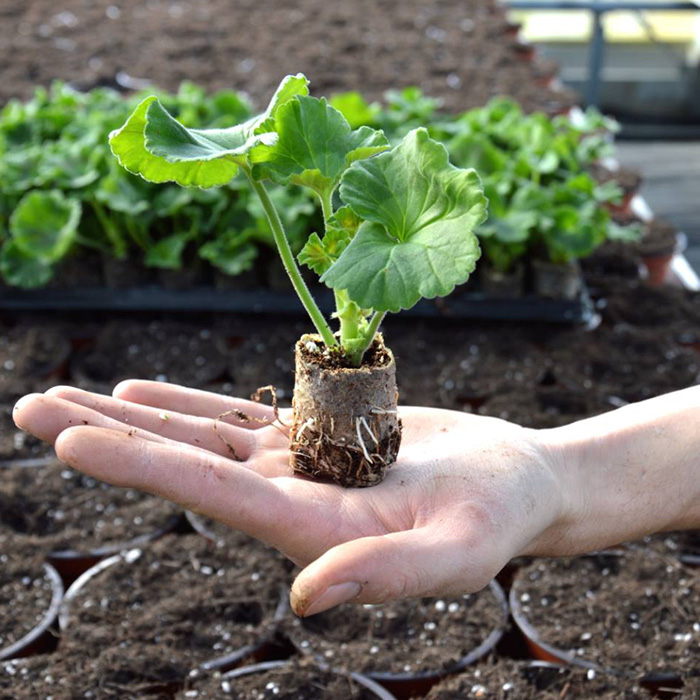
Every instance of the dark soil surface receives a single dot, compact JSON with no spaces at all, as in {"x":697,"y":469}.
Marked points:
{"x":183,"y":602}
{"x":503,"y":679}
{"x":406,"y":637}
{"x":297,"y":680}
{"x":660,"y":238}
{"x":163,"y":351}
{"x":457,"y":51}
{"x":636,"y":613}
{"x":25,"y":594}
{"x":55,"y":508}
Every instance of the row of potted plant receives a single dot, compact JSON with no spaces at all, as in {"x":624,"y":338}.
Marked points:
{"x":65,"y":203}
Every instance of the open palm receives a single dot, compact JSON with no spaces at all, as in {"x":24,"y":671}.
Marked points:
{"x":453,"y":510}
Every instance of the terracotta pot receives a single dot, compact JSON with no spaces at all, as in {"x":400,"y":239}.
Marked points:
{"x":39,"y":639}
{"x":554,"y":281}
{"x":223,"y":663}
{"x":361,"y":680}
{"x":658,"y":264}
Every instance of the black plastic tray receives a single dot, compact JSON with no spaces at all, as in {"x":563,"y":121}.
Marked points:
{"x":462,"y":305}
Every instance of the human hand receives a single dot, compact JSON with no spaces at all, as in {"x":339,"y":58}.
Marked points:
{"x":467,"y":494}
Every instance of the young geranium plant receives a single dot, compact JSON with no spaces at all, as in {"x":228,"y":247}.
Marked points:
{"x":398,"y":226}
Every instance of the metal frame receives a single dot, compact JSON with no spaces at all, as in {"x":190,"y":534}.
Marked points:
{"x":598,"y":8}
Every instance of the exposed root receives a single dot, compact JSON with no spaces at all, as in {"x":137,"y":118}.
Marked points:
{"x":245,"y":418}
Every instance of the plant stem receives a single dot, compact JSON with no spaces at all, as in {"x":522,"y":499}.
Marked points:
{"x":290,"y":264}
{"x":372,"y":331}
{"x":326,"y":207}
{"x":115,"y":238}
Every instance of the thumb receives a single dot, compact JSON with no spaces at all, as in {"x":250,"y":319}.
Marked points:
{"x":406,"y":564}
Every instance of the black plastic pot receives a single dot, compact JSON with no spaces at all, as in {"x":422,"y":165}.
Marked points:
{"x":556,"y":281}
{"x":38,"y":639}
{"x":503,"y":285}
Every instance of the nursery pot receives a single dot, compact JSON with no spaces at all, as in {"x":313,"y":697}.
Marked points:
{"x":38,"y":639}
{"x":255,"y":651}
{"x":542,"y":650}
{"x":409,"y":684}
{"x":503,"y":285}
{"x":556,"y":281}
{"x":72,"y":563}
{"x":345,"y":427}
{"x":357,"y":678}
{"x":657,"y":264}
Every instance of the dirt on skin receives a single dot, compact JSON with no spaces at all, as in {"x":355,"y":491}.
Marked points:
{"x":405,"y":637}
{"x":300,"y":679}
{"x":461,"y":52}
{"x":635,"y":613}
{"x":55,"y":508}
{"x":25,"y":592}
{"x":195,"y":599}
{"x":345,"y":427}
{"x":503,"y":679}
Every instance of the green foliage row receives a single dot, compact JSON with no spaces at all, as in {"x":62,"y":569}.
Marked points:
{"x":60,"y":187}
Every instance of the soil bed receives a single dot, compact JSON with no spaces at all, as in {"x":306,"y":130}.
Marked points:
{"x":295,"y":680}
{"x":411,"y":637}
{"x":164,"y":351}
{"x":183,"y":602}
{"x":510,"y":680}
{"x":54,"y":508}
{"x":26,"y":592}
{"x":635,"y":613}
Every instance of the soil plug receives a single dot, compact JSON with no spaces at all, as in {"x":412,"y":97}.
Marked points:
{"x":403,"y":229}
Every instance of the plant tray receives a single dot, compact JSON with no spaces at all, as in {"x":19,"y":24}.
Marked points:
{"x":463,"y":305}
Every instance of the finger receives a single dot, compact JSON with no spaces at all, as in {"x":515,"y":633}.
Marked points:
{"x":398,"y":565}
{"x":216,"y":436}
{"x":47,"y":417}
{"x":195,"y":402}
{"x":196,"y":480}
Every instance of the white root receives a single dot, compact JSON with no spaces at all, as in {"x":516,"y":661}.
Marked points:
{"x":369,"y":430}
{"x":309,"y":423}
{"x":383,"y":411}
{"x":361,"y":441}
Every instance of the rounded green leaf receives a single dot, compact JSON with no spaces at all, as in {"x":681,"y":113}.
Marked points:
{"x":22,"y":270}
{"x":156,"y":146}
{"x":315,"y":146}
{"x":418,"y":239}
{"x":45,"y":224}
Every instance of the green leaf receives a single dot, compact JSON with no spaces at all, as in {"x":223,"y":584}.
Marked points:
{"x":345,"y":219}
{"x":315,"y":146}
{"x":120,"y":191}
{"x":156,"y":146}
{"x":167,"y":252}
{"x":353,"y":106}
{"x":45,"y":224}
{"x":232,"y":253}
{"x":22,"y":270}
{"x":319,"y":254}
{"x":418,"y":238}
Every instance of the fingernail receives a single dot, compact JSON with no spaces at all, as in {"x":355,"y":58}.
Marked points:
{"x":332,"y":596}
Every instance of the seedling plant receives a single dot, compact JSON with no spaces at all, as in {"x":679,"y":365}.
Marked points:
{"x":398,"y":225}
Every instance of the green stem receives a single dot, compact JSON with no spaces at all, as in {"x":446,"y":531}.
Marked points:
{"x":372,"y":331}
{"x":327,"y":207}
{"x":117,"y":241}
{"x":290,"y":264}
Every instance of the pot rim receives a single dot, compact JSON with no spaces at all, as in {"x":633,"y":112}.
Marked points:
{"x":569,"y":656}
{"x":361,"y":679}
{"x":486,"y":646}
{"x":51,"y":614}
{"x":109,"y":550}
{"x":132,"y":555}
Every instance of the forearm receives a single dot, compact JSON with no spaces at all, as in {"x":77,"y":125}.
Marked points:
{"x":627,"y":474}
